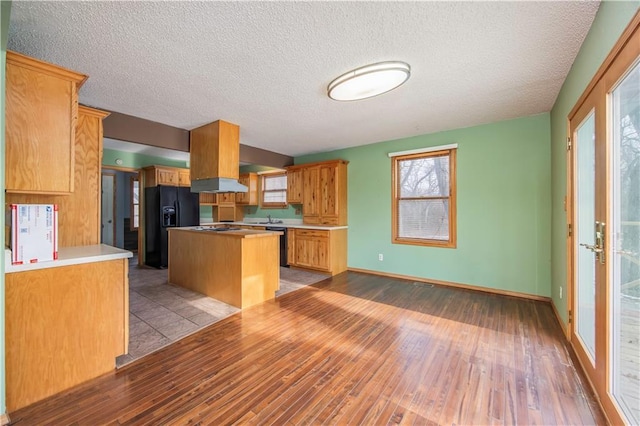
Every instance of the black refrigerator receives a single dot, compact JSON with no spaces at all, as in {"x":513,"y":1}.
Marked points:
{"x":166,"y":207}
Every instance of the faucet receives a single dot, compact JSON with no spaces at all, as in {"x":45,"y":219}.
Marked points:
{"x":269,"y":218}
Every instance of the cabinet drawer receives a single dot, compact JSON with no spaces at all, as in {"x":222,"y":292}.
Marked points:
{"x":329,"y":221}
{"x":311,"y":233}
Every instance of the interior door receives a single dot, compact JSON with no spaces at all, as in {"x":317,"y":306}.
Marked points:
{"x":107,"y":229}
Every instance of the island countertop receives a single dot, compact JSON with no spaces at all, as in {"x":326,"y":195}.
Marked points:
{"x":285,"y":224}
{"x":233,"y":233}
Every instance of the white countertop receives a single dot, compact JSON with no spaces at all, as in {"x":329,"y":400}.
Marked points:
{"x":286,"y":224}
{"x":70,"y":256}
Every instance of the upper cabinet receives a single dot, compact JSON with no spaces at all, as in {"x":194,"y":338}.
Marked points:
{"x":184,"y":177}
{"x":294,"y":185}
{"x":79,"y":219}
{"x":324,"y":192}
{"x":249,"y":198}
{"x":40,"y":117}
{"x":165,"y":175}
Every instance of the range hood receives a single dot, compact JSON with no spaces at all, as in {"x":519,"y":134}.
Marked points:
{"x":217,"y":185}
{"x":214,"y":155}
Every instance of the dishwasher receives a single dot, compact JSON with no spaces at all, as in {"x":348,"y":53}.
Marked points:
{"x":283,"y":243}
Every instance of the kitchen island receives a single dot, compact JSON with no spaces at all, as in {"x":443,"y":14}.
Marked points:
{"x":240,"y":267}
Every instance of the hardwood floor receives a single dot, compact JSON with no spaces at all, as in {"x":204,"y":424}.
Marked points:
{"x":354,"y":349}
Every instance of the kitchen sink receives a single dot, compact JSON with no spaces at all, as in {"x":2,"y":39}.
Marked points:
{"x":273,"y":222}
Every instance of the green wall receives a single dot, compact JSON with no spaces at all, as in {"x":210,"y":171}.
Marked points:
{"x":610,"y":21}
{"x":136,"y":161}
{"x":504,"y":207}
{"x":5,"y":10}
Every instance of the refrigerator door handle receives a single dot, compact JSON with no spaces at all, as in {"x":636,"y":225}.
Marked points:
{"x":178,"y":213}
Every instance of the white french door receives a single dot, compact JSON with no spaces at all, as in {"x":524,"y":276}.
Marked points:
{"x":604,"y":248}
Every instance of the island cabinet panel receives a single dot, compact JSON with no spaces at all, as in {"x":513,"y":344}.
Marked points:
{"x":324,"y":193}
{"x":79,"y":217}
{"x":40,"y":116}
{"x":320,"y":250}
{"x":240,"y":268}
{"x":64,"y":326}
{"x":294,"y":185}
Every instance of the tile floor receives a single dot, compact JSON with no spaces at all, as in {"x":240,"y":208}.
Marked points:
{"x":161,"y":313}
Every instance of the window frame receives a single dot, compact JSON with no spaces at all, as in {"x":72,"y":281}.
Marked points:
{"x":133,"y":179}
{"x":267,"y":205}
{"x":395,"y":199}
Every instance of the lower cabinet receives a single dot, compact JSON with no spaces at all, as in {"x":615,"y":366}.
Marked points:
{"x":64,"y":325}
{"x":320,"y":250}
{"x":312,"y":249}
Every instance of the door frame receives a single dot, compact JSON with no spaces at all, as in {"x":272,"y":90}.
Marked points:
{"x":141,"y":204}
{"x":594,"y":102}
{"x":621,"y":57}
{"x":113,"y":213}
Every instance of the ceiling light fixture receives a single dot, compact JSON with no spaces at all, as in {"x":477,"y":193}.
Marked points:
{"x":368,"y":81}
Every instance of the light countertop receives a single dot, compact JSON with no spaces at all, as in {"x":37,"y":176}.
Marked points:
{"x":70,"y":256}
{"x":286,"y":224}
{"x":236,"y":233}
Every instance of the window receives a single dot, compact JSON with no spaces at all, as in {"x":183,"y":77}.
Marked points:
{"x":135,"y":203}
{"x":274,"y":190}
{"x":424,"y":197}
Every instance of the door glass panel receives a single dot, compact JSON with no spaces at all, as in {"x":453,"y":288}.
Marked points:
{"x":585,"y":258}
{"x":625,"y":239}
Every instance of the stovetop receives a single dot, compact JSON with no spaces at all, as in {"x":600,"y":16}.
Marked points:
{"x":217,"y":229}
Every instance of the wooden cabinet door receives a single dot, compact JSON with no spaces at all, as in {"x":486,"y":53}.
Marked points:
{"x":167,"y":176}
{"x":328,"y":188}
{"x":291,"y":246}
{"x":310,"y":195}
{"x":40,"y":116}
{"x":225,"y":213}
{"x":312,"y":249}
{"x":184,"y":177}
{"x":226,"y":197}
{"x":294,"y":186}
{"x":243,"y":197}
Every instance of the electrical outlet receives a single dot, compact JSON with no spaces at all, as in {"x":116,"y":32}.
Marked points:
{"x":380,"y":257}
{"x":298,"y":211}
{"x":560,"y":292}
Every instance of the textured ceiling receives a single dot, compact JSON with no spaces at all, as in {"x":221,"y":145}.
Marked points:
{"x":265,"y":65}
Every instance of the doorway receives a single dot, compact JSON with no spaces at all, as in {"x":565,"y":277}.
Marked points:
{"x":108,"y":210}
